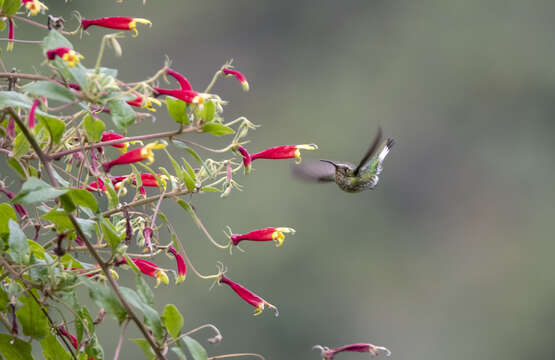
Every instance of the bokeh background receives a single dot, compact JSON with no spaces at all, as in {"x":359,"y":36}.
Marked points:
{"x":451,"y":257}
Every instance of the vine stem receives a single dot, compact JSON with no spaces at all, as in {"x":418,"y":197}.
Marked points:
{"x":105,"y":267}
{"x":236,"y":355}
{"x":120,"y":342}
{"x":168,"y":134}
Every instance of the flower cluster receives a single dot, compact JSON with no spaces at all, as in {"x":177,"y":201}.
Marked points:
{"x":34,"y":6}
{"x":185,"y":92}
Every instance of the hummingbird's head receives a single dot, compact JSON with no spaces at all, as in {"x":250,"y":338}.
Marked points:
{"x":340,"y":168}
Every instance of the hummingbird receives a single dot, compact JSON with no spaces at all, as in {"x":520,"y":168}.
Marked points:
{"x":348,"y":177}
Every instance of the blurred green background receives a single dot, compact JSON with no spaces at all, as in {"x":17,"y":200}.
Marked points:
{"x":451,"y":256}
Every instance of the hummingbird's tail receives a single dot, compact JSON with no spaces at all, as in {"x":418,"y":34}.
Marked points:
{"x":385,"y":150}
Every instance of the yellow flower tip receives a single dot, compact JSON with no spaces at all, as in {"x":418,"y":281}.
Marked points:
{"x":303,"y":147}
{"x":10,"y":46}
{"x":286,"y":230}
{"x":35,"y":7}
{"x":148,"y":103}
{"x":114,"y":273}
{"x":123,"y":150}
{"x":259,"y":309}
{"x":133,"y":25}
{"x":245,"y":85}
{"x":164,"y":180}
{"x":71,"y":58}
{"x":161,"y":277}
{"x":148,"y":154}
{"x":179,"y":279}
{"x":199,"y":100}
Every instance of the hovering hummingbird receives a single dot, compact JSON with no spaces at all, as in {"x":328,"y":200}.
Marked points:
{"x":348,"y":177}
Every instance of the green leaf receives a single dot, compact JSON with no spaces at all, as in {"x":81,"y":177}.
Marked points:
{"x":32,"y":319}
{"x":10,"y":7}
{"x":67,"y":203}
{"x":217,"y":129}
{"x":84,"y":198}
{"x":145,"y":346}
{"x":17,"y":241}
{"x":35,"y":190}
{"x":122,"y":113}
{"x":52,"y":349}
{"x":105,"y":298}
{"x":55,"y":127}
{"x":197,"y":350}
{"x":4,"y":300}
{"x":93,"y":128}
{"x":21,"y":146}
{"x":173,"y":320}
{"x":152,"y":318}
{"x":36,"y":249}
{"x":208,"y":111}
{"x":6,"y":213}
{"x":144,"y":291}
{"x":110,"y":234}
{"x":55,"y":40}
{"x":180,"y":354}
{"x":51,"y":90}
{"x":16,"y":165}
{"x":2,"y":22}
{"x":60,"y":219}
{"x":210,"y":189}
{"x":182,"y":145}
{"x":178,"y":110}
{"x":15,"y":99}
{"x":14,"y":349}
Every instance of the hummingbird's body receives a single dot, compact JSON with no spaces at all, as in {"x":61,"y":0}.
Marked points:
{"x":348,"y":177}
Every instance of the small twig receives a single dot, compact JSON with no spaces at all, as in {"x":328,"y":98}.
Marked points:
{"x":120,"y":342}
{"x":236,"y":355}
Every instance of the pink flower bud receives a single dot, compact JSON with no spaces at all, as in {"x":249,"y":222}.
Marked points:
{"x":248,"y":296}
{"x":181,"y":265}
{"x":31,"y":122}
{"x":239,"y":76}
{"x":246,"y":158}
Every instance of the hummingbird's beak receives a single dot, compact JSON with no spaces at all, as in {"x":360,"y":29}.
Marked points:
{"x":329,"y":162}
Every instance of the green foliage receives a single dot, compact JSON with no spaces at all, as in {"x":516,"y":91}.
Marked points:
{"x":178,"y":110}
{"x":173,"y":320}
{"x":53,"y":350}
{"x":217,"y":129}
{"x":198,"y":352}
{"x":51,"y":90}
{"x":93,"y":128}
{"x":84,"y":198}
{"x":10,"y":7}
{"x":208,"y":111}
{"x":152,"y":318}
{"x":105,"y":298}
{"x":35,"y":190}
{"x":7,"y":213}
{"x":55,"y":127}
{"x":122,"y":114}
{"x":17,"y":242}
{"x":14,"y":349}
{"x":32,"y":319}
{"x":55,"y":40}
{"x":145,"y":346}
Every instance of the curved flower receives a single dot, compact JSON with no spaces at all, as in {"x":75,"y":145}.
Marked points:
{"x":265,"y":234}
{"x":135,"y":155}
{"x":248,"y":295}
{"x":10,"y":34}
{"x":141,"y":102}
{"x":116,"y":22}
{"x":182,"y":80}
{"x":69,"y":56}
{"x":181,"y":265}
{"x":239,"y":76}
{"x":34,"y":6}
{"x":72,"y":339}
{"x":109,"y":135}
{"x":284,"y":152}
{"x":189,"y":96}
{"x":148,"y":180}
{"x":150,"y":269}
{"x":328,"y":354}
{"x":246,"y":158}
{"x":31,"y":122}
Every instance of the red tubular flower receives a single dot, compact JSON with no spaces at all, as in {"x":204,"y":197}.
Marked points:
{"x":246,"y":158}
{"x":239,"y":76}
{"x":147,"y":180}
{"x":63,"y":331}
{"x":109,"y":136}
{"x":139,"y":101}
{"x":70,"y":57}
{"x":150,"y":269}
{"x":189,"y":96}
{"x":74,"y":86}
{"x":328,"y":354}
{"x":135,"y":155}
{"x":116,"y":22}
{"x":10,"y":34}
{"x":34,"y":6}
{"x":181,"y":266}
{"x":97,"y":185}
{"x":31,"y":121}
{"x":248,"y":296}
{"x":182,"y":80}
{"x":265,"y":234}
{"x":284,"y":152}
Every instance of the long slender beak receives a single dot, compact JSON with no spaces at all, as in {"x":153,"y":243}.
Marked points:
{"x":329,"y":162}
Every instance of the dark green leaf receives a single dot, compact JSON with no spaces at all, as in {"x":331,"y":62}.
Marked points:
{"x":14,"y":349}
{"x":2,"y":22}
{"x":208,"y":111}
{"x":17,"y":241}
{"x":32,"y":319}
{"x":122,"y":114}
{"x":4,"y":300}
{"x":145,"y":346}
{"x":173,"y":320}
{"x":105,"y":298}
{"x":16,"y":165}
{"x":67,"y":203}
{"x":110,"y":234}
{"x":21,"y":146}
{"x":35,"y":190}
{"x":182,"y":145}
{"x":52,"y":349}
{"x":180,"y":354}
{"x":55,"y":127}
{"x":93,"y":128}
{"x":197,"y":350}
{"x":51,"y":90}
{"x":178,"y":110}
{"x":152,"y":318}
{"x":217,"y":129}
{"x":84,"y":198}
{"x":6,"y":213}
{"x":144,"y":291}
{"x":55,"y":40}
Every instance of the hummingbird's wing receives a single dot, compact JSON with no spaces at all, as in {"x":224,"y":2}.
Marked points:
{"x":370,"y":152}
{"x":314,"y":171}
